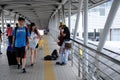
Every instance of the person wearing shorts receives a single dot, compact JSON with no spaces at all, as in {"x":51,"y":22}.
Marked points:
{"x":34,"y":38}
{"x":20,"y":39}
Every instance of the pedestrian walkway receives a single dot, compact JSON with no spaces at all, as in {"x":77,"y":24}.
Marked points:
{"x":42,"y":70}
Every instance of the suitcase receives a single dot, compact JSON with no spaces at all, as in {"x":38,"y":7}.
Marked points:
{"x":11,"y":56}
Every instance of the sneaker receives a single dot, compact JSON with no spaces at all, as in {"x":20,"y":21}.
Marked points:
{"x":57,"y":63}
{"x":63,"y":63}
{"x":23,"y":70}
{"x":32,"y":64}
{"x":19,"y":66}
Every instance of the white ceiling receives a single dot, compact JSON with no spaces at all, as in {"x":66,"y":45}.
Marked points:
{"x":40,"y":11}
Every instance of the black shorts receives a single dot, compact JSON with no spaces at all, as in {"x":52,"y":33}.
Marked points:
{"x":20,"y":52}
{"x":36,"y":46}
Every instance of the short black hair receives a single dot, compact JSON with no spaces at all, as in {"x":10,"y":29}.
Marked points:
{"x":21,"y":19}
{"x":8,"y":25}
{"x":32,"y":24}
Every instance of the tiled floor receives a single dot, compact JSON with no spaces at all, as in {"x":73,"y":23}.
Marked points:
{"x":37,"y":71}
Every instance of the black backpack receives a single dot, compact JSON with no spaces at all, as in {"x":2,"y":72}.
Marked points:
{"x":53,"y":56}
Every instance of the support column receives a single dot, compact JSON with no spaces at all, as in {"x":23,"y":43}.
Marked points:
{"x":69,"y":19}
{"x":85,"y":55}
{"x":75,"y":31}
{"x":15,"y":19}
{"x":108,"y":24}
{"x":109,"y":21}
{"x":63,"y":14}
{"x":78,"y":18}
{"x":2,"y":20}
{"x":59,"y":17}
{"x":110,"y":34}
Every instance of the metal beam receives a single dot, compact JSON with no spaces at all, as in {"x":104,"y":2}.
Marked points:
{"x":69,"y":18}
{"x":60,"y":5}
{"x":28,"y":7}
{"x":108,"y":23}
{"x":2,"y":20}
{"x":15,"y":16}
{"x":29,"y":2}
{"x":63,"y":14}
{"x":78,"y":18}
{"x":76,"y":27}
{"x":85,"y":55}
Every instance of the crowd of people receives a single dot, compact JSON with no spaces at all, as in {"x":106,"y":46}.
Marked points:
{"x":22,"y":37}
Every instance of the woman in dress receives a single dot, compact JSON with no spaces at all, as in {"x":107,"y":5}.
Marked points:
{"x":34,"y":38}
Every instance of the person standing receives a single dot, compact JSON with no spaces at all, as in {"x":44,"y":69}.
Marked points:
{"x":64,"y":51}
{"x":20,"y":38}
{"x":34,"y":39}
{"x":9,"y":33}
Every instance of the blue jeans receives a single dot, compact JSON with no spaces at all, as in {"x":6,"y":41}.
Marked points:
{"x":64,"y":53}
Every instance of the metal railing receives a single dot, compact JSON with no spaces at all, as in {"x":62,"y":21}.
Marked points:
{"x":106,"y":68}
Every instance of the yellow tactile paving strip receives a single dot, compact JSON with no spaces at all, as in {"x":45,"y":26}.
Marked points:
{"x":48,"y":66}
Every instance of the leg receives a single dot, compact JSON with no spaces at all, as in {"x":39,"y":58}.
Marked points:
{"x":18,"y":56}
{"x":61,"y":58}
{"x":23,"y":62}
{"x":67,"y":52}
{"x":18,"y":60}
{"x":32,"y":56}
{"x":23,"y":56}
{"x":35,"y":52}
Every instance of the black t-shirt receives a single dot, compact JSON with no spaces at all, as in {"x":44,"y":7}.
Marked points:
{"x":0,"y":33}
{"x":67,"y":32}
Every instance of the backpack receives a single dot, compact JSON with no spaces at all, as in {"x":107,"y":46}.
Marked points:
{"x":26,"y":30}
{"x":53,"y":56}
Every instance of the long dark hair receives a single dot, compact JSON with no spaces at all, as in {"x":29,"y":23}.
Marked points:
{"x":35,"y":30}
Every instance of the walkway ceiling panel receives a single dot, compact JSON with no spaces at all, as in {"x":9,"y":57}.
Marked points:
{"x":41,"y":10}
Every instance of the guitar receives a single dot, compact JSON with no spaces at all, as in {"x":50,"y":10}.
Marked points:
{"x":60,"y":42}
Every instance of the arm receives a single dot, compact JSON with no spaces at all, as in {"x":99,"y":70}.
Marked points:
{"x":13,"y":39}
{"x":38,"y":35}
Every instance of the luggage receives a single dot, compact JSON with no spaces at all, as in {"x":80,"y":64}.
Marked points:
{"x":11,"y":56}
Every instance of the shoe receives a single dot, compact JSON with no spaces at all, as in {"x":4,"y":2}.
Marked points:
{"x":57,"y":63}
{"x":0,"y":53}
{"x":32,"y":64}
{"x":63,"y":63}
{"x":19,"y":66}
{"x":23,"y":70}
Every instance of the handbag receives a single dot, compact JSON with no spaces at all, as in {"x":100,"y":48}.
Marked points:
{"x":68,"y":45}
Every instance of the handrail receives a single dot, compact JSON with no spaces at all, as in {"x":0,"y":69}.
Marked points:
{"x":103,"y":48}
{"x":99,"y":61}
{"x":99,"y":53}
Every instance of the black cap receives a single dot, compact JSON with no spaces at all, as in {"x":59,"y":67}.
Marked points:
{"x":21,"y":19}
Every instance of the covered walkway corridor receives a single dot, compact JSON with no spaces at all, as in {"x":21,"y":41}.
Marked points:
{"x":90,"y":58}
